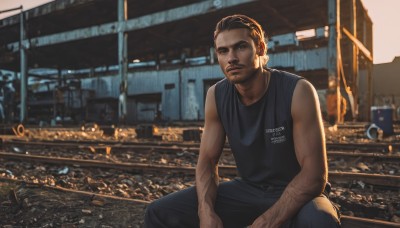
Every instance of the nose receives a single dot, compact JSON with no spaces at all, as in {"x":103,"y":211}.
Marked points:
{"x":232,"y":57}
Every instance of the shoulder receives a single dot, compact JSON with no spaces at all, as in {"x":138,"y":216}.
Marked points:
{"x":304,"y":87}
{"x":216,"y":90}
{"x":284,"y":85}
{"x":223,"y":83}
{"x":284,"y":75}
{"x":221,"y":89}
{"x":305,"y":97}
{"x":285,"y":81}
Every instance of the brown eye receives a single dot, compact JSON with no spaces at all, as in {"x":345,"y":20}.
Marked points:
{"x":242,"y":46}
{"x":222,"y":51}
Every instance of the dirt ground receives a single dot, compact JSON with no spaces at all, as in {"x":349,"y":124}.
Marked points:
{"x":33,"y":206}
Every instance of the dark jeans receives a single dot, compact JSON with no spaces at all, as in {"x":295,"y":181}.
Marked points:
{"x":238,"y":204}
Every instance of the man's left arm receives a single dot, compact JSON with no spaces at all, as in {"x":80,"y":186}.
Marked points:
{"x":309,"y":143}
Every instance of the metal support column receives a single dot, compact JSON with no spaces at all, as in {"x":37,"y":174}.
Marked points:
{"x":370,"y":89}
{"x":122,"y":58}
{"x":355,"y":79}
{"x":333,"y":51}
{"x":23,"y":65}
{"x":212,"y":55}
{"x":370,"y":65}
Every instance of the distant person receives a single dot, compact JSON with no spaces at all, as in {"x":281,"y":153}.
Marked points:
{"x":273,"y":123}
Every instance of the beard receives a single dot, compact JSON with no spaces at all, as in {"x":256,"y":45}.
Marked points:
{"x":242,"y":78}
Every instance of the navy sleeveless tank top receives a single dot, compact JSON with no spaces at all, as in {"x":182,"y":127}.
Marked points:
{"x":261,"y":134}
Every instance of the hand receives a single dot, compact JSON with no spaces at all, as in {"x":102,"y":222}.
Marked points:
{"x":260,"y":222}
{"x":211,"y":221}
{"x":264,"y":221}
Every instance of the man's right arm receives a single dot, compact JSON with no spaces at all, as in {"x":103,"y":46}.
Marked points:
{"x":212,"y":142}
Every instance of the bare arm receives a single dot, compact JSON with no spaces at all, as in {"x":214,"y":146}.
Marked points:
{"x":309,"y":142}
{"x":212,"y":142}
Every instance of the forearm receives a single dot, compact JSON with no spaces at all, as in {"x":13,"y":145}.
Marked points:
{"x":207,"y":180}
{"x":300,"y":190}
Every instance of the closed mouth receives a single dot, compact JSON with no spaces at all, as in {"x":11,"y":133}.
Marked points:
{"x":232,"y":68}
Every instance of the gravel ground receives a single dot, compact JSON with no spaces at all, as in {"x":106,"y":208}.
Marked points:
{"x":41,"y":207}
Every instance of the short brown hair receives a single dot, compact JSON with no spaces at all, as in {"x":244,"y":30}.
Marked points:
{"x":237,"y":21}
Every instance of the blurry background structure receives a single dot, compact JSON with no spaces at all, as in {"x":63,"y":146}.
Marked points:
{"x":386,"y":84}
{"x":89,"y":60}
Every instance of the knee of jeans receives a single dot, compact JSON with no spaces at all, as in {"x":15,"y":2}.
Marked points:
{"x":152,"y":209}
{"x":157,"y":216}
{"x":316,"y":219}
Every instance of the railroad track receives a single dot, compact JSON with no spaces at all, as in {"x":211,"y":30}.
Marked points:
{"x":174,"y":147}
{"x":378,"y":150}
{"x":187,"y":156}
{"x":347,"y":221}
{"x":372,"y":179}
{"x":367,"y":147}
{"x":186,"y":171}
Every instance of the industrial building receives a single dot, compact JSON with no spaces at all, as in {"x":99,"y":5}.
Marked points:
{"x":102,"y":107}
{"x":386,"y":81}
{"x":87,"y":60}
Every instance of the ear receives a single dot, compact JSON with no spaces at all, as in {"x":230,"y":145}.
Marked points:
{"x":261,"y":49}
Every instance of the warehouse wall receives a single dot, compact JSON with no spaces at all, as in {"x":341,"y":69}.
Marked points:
{"x":104,"y":86}
{"x":301,"y":60}
{"x":164,"y":82}
{"x":179,"y":94}
{"x":182,"y":92}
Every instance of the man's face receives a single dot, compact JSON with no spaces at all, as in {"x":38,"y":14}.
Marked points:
{"x":237,"y":54}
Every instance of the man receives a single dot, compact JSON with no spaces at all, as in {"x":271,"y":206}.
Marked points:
{"x":273,"y":123}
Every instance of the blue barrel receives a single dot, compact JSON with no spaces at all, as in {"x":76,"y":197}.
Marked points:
{"x":382,"y":116}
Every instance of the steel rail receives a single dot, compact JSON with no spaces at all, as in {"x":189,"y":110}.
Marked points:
{"x":357,"y":222}
{"x":58,"y":188}
{"x":380,"y":156}
{"x":176,"y":148}
{"x":386,"y":147}
{"x":379,"y":146}
{"x":373,"y":179}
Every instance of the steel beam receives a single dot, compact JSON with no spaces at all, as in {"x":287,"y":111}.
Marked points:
{"x":45,"y":9}
{"x":142,"y":22}
{"x":122,"y":59}
{"x":333,"y":51}
{"x":355,"y":79}
{"x":24,"y":70}
{"x":359,"y":45}
{"x":9,"y":10}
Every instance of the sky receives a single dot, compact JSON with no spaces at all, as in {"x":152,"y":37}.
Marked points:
{"x":384,"y":15}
